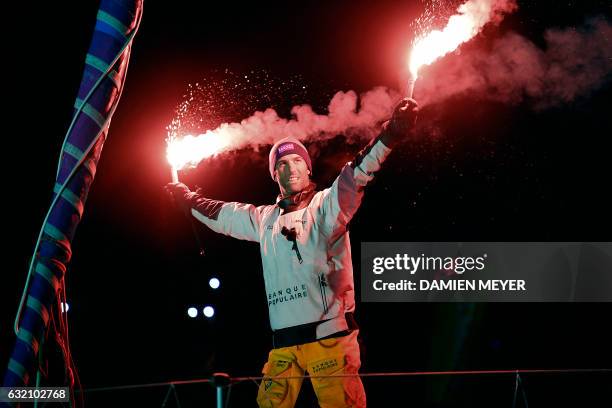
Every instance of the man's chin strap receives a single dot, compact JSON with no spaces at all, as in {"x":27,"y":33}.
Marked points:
{"x":297,"y":201}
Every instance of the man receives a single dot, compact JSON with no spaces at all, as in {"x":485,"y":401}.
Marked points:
{"x":306,"y":257}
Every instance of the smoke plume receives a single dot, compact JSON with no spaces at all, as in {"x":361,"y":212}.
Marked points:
{"x":356,"y":117}
{"x":573,"y":63}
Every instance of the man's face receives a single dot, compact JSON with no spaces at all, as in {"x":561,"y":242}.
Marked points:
{"x":292,"y":174}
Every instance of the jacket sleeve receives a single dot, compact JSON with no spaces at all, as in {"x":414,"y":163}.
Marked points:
{"x":342,"y":200}
{"x":241,"y":221}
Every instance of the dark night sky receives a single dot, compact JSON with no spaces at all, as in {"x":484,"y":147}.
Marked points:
{"x":494,"y":172}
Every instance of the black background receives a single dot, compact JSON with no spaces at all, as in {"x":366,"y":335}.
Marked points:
{"x":496,"y":173}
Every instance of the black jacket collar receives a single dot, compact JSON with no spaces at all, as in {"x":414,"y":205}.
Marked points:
{"x":298,"y":200}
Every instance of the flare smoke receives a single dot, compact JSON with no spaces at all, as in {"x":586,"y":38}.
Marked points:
{"x":573,"y":63}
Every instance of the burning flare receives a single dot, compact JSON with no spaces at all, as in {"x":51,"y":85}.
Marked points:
{"x":189,"y":150}
{"x":461,"y":27}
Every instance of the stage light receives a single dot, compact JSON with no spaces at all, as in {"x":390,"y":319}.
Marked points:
{"x":192,"y":312}
{"x":209,"y":311}
{"x":65,"y":307}
{"x":214,"y":283}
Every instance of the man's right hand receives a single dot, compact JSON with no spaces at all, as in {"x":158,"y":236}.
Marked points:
{"x":180,"y":194}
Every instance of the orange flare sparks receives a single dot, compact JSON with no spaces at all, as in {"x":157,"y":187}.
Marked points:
{"x":461,"y":27}
{"x":190,"y":150}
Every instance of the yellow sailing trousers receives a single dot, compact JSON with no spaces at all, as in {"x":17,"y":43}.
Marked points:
{"x":339,"y":355}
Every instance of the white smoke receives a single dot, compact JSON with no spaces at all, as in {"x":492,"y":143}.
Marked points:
{"x":346,"y":114}
{"x":356,"y":117}
{"x":573,"y":63}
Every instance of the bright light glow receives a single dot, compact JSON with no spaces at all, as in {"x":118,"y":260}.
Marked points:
{"x":214,"y":283}
{"x":190,"y":150}
{"x":192,"y":312}
{"x":65,"y":307}
{"x":209,"y":311}
{"x":461,"y":27}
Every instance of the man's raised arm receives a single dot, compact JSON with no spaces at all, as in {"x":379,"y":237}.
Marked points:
{"x":342,"y":200}
{"x":237,"y":220}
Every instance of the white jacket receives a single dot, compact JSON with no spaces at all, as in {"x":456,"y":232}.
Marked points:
{"x":320,"y":288}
